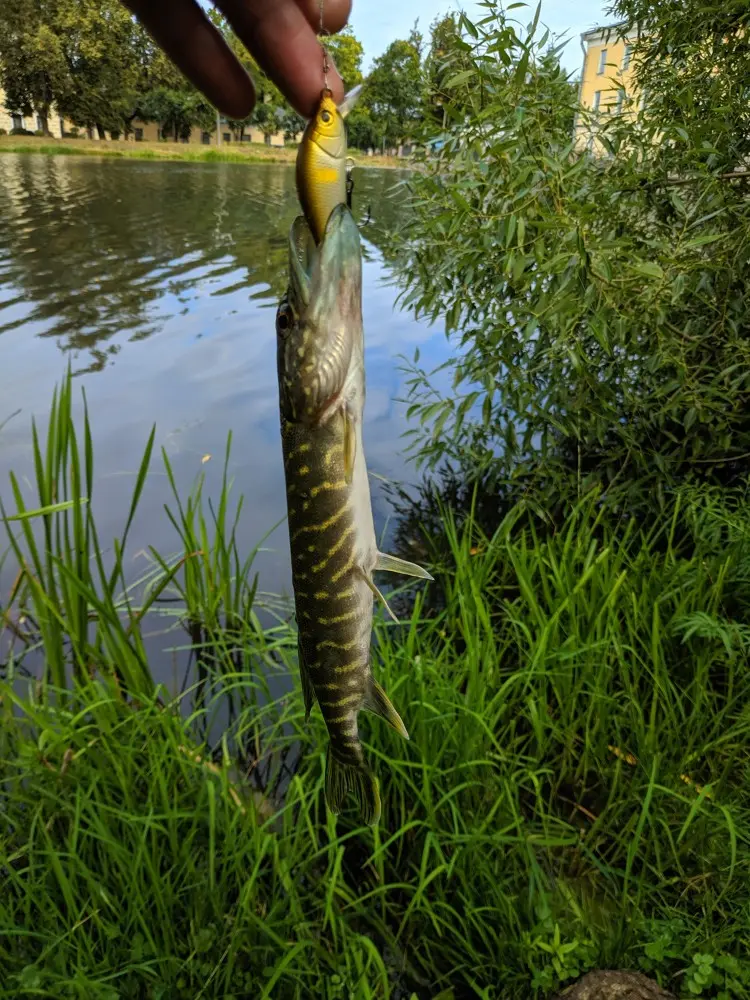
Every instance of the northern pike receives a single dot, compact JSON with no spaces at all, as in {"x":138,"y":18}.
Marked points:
{"x":320,"y":354}
{"x":322,"y":161}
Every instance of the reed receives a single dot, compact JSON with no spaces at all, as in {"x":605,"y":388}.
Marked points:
{"x":574,"y":793}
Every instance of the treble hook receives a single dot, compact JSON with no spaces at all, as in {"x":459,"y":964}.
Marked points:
{"x":350,"y":165}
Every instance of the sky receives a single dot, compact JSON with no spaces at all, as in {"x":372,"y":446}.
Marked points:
{"x":377,"y":22}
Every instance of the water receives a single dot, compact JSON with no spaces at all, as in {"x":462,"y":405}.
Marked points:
{"x":158,"y":282}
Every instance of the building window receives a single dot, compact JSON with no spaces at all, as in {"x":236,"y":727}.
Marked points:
{"x":226,"y":136}
{"x":206,"y":138}
{"x":627,"y":55}
{"x":62,"y":126}
{"x":602,"y":61}
{"x":597,"y":100}
{"x":620,"y":100}
{"x":17,"y":121}
{"x":138,"y":134}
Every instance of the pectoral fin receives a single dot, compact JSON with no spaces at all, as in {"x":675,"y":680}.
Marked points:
{"x":392,"y":564}
{"x":350,"y":446}
{"x":308,"y":691}
{"x":379,"y":596}
{"x":378,"y":702}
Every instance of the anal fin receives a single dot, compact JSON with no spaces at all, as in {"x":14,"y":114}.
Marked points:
{"x":378,"y":702}
{"x":392,"y":564}
{"x":350,"y":446}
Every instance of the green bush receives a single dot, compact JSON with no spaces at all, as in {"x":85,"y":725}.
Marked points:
{"x":542,"y":820}
{"x":597,"y":307}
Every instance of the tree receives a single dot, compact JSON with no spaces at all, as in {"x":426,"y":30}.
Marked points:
{"x":33,"y":69}
{"x":447,"y":71}
{"x":99,"y":41}
{"x":266,"y":118}
{"x":271,"y":112}
{"x":393,"y":90}
{"x":291,"y":123}
{"x":157,"y":74}
{"x":598,"y":305}
{"x":32,"y":62}
{"x":176,"y":112}
{"x":692,"y":60}
{"x":84,"y":56}
{"x":362,"y":130}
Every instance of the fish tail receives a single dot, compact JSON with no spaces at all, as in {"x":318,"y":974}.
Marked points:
{"x":343,"y":777}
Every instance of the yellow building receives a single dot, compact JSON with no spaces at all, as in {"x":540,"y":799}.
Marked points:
{"x":149,"y":132}
{"x":606,"y":85}
{"x":32,"y":123}
{"x":141,"y":131}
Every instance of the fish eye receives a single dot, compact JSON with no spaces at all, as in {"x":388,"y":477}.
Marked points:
{"x":325,"y":117}
{"x":283,"y":319}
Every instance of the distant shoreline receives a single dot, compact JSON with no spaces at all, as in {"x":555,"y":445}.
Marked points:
{"x":229,"y":153}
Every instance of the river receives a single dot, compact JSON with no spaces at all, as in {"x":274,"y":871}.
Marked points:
{"x":158,"y":283}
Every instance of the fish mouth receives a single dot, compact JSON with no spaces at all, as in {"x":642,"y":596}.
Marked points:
{"x":325,"y":281}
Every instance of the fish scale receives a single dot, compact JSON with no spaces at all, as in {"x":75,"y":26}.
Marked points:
{"x":333,"y":602}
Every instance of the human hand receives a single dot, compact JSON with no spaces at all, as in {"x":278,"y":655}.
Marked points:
{"x":279,"y":34}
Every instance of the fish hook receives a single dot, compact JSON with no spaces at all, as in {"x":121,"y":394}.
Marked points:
{"x":350,"y":165}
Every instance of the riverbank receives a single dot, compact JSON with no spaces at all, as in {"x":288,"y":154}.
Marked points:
{"x":227,"y":153}
{"x":573,"y":794}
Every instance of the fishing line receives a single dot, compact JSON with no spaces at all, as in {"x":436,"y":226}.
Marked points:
{"x":323,"y":46}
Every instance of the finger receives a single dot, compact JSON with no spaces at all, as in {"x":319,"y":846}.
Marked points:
{"x":335,"y":14}
{"x":282,"y":39}
{"x":197,"y":49}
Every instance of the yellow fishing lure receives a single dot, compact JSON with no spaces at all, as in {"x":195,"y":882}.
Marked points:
{"x":321,"y":162}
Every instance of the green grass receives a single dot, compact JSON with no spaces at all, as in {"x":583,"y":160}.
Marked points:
{"x":146,"y":153}
{"x":246,"y":153}
{"x":574,"y":794}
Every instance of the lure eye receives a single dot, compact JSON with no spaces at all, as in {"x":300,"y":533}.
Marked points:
{"x":325,"y":117}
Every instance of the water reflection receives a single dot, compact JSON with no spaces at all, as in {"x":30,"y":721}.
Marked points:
{"x":159,"y":282}
{"x":92,"y":252}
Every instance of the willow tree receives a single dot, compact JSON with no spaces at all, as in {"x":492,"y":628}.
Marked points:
{"x":596,"y":306}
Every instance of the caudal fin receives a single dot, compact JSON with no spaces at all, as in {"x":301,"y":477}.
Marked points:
{"x":355,"y":778}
